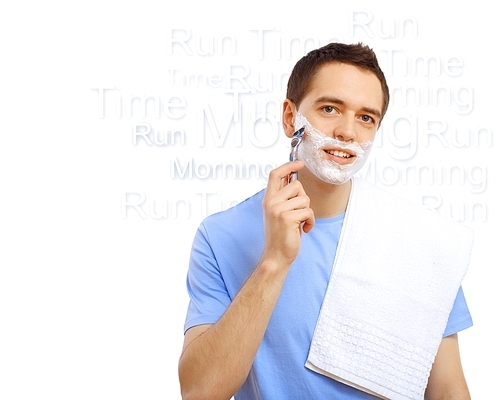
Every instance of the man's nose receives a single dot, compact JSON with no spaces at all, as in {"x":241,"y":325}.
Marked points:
{"x":345,"y":130}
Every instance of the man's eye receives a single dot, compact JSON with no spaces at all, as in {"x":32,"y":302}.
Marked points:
{"x":366,"y":118}
{"x":328,"y":109}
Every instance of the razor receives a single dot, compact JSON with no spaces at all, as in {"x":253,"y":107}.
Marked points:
{"x":294,"y":148}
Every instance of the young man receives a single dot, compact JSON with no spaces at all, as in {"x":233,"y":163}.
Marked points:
{"x":259,"y":272}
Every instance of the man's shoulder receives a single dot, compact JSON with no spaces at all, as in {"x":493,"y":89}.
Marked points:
{"x":244,"y":212}
{"x":232,"y":230}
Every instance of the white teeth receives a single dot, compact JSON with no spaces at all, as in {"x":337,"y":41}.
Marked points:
{"x":338,"y":153}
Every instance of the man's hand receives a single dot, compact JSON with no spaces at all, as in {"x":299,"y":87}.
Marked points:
{"x":286,"y":214}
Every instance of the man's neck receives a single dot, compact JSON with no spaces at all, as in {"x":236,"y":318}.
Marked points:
{"x":327,"y":200}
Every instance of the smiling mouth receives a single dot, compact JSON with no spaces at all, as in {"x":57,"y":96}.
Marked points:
{"x":339,"y":153}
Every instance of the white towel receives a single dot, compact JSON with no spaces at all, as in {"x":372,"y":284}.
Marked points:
{"x":396,"y":274}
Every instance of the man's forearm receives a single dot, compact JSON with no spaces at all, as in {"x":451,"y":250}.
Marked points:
{"x":447,"y":380}
{"x":216,"y":363}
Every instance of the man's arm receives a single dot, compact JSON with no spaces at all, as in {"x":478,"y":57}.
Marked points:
{"x":447,"y":380}
{"x":216,"y":359}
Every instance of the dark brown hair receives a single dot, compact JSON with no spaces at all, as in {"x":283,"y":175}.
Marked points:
{"x":358,"y":55}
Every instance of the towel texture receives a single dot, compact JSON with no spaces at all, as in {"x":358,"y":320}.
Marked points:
{"x":397,"y":271}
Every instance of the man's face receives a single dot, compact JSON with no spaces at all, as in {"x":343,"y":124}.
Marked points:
{"x":341,"y":112}
{"x":344,"y":102}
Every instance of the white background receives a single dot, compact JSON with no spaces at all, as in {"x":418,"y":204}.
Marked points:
{"x":92,"y":292}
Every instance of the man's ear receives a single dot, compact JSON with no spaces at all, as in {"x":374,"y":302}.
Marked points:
{"x":288,"y":120}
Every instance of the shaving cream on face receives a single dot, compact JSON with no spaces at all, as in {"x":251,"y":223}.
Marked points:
{"x":311,"y":149}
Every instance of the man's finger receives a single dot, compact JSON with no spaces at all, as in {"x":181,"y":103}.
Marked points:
{"x":280,"y":175}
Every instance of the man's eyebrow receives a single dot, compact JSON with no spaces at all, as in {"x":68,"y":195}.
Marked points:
{"x":329,"y":99}
{"x":373,"y":111}
{"x":336,"y":100}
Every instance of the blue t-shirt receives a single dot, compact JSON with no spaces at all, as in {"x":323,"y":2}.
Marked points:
{"x":226,"y":249}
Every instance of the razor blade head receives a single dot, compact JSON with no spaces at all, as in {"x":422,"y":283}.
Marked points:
{"x":294,"y":148}
{"x":296,"y":140}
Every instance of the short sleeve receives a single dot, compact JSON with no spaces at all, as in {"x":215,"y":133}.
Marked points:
{"x":460,"y":317}
{"x":208,"y":295}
